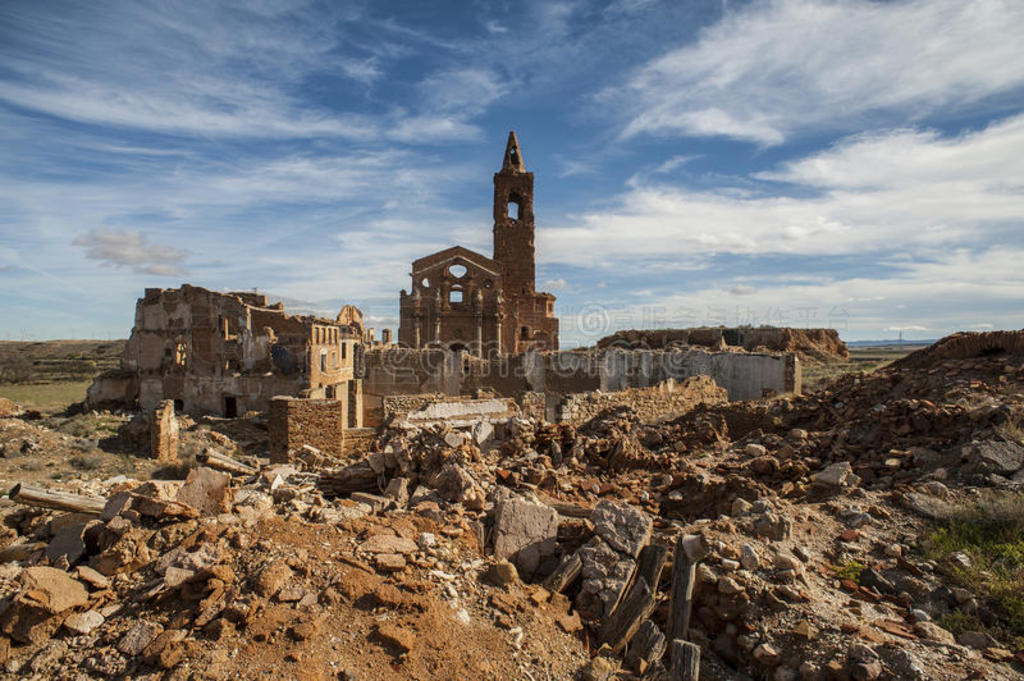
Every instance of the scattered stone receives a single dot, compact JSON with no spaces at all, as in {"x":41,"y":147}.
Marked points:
{"x":272,"y":578}
{"x":138,"y":636}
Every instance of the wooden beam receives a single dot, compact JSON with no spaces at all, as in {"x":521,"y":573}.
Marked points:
{"x":223,"y":462}
{"x":624,"y":621}
{"x":565,"y":574}
{"x":647,"y":647}
{"x":685,"y":661}
{"x":684,"y":573}
{"x":41,"y":497}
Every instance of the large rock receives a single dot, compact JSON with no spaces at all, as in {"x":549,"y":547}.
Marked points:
{"x":52,"y":589}
{"x":35,"y":613}
{"x":625,"y":528}
{"x":990,"y":456}
{"x":454,"y":483}
{"x":525,"y":532}
{"x":206,"y":490}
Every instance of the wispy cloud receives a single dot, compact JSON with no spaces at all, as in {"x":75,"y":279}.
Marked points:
{"x":748,"y":78}
{"x":879,"y":192}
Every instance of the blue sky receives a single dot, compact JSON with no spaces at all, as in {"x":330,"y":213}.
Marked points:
{"x":799,"y":162}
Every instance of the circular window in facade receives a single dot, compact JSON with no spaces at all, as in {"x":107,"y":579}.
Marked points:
{"x":457,"y":271}
{"x":425,"y":283}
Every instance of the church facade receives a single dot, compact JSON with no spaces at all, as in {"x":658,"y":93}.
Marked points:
{"x":463,"y":300}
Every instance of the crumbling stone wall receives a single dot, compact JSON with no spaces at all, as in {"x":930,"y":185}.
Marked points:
{"x":163,"y":433}
{"x":228,"y":353}
{"x":667,"y":400}
{"x":294,"y":422}
{"x":745,"y":376}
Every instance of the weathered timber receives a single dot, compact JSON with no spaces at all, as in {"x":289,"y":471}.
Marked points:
{"x":684,"y":572}
{"x":628,"y":615}
{"x":223,"y":462}
{"x":565,"y":574}
{"x":359,"y":477}
{"x":646,"y":648}
{"x":650,"y":563}
{"x":685,"y":661}
{"x":571,"y":510}
{"x":20,"y":551}
{"x":61,"y":501}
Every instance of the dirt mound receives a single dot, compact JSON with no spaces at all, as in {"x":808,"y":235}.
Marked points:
{"x":822,"y":345}
{"x":966,"y":345}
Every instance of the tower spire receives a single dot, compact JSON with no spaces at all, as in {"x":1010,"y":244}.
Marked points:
{"x":513,"y":156}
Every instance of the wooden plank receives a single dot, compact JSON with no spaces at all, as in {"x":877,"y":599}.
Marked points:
{"x":684,"y":573}
{"x":624,"y":621}
{"x":647,"y":647}
{"x":650,"y":564}
{"x":565,"y":574}
{"x":685,"y":661}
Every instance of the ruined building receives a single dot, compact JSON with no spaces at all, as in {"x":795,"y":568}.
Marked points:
{"x":462,"y":300}
{"x":228,"y":353}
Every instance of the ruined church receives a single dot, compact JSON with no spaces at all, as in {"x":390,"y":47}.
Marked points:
{"x":463,"y":300}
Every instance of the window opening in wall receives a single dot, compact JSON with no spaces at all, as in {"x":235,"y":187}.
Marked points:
{"x":344,"y":348}
{"x":329,"y":392}
{"x":455,"y":296}
{"x":323,"y":360}
{"x":524,"y":333}
{"x":179,"y":406}
{"x":457,"y":271}
{"x":180,"y":354}
{"x":230,"y":406}
{"x":513,"y":209}
{"x":425,"y":283}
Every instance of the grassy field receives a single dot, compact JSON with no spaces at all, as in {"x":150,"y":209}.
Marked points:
{"x":46,"y":397}
{"x":51,"y":375}
{"x":862,"y":360}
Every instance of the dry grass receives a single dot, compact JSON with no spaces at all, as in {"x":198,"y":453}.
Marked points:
{"x":46,"y":397}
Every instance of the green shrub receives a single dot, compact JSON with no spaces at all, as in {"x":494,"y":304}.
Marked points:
{"x":991,"y":534}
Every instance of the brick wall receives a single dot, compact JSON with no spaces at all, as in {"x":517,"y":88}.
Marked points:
{"x":295,"y":422}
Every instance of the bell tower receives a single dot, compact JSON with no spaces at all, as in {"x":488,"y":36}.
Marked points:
{"x":513,"y":221}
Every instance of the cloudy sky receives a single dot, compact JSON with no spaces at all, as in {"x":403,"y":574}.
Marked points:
{"x":792,"y":162}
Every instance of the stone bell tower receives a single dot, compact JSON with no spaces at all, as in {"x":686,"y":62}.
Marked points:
{"x":513,"y":221}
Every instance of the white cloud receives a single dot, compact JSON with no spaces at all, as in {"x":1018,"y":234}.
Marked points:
{"x":119,"y":248}
{"x":885,"y":192}
{"x":559,"y":284}
{"x":770,"y":69}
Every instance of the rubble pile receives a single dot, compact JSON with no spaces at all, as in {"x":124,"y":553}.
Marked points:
{"x":769,"y":540}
